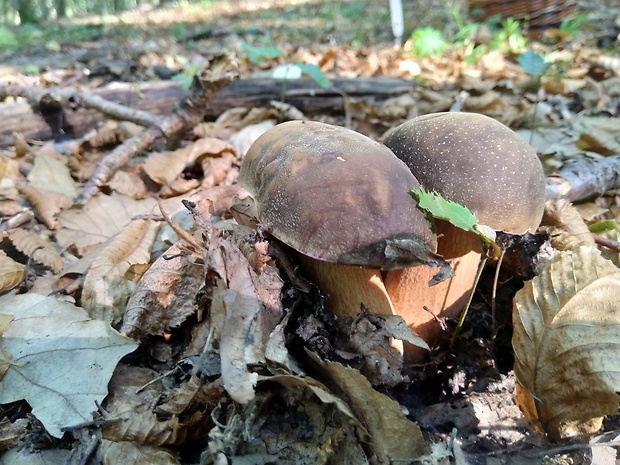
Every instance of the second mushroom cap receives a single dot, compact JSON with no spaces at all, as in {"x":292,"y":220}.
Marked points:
{"x":478,"y":162}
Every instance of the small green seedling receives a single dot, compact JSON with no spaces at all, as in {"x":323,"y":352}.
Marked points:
{"x":428,"y":41}
{"x":258,"y":54}
{"x":315,"y":72}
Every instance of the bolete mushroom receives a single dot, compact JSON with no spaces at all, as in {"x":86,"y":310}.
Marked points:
{"x":342,"y":202}
{"x":478,"y":162}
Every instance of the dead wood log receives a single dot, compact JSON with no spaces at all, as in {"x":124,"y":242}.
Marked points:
{"x":60,"y":116}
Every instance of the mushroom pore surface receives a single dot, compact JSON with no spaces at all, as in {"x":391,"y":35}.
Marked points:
{"x":336,"y":195}
{"x":478,"y":162}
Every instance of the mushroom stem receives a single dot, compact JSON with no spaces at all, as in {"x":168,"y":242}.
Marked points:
{"x":347,"y":287}
{"x":425,"y":308}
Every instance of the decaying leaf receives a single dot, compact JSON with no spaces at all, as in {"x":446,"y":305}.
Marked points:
{"x":129,"y":184}
{"x":250,"y":303}
{"x":567,"y":342}
{"x":165,"y":167}
{"x":165,"y":296}
{"x":135,"y":393}
{"x":100,"y":219}
{"x":391,"y":435}
{"x":290,"y":420}
{"x":113,"y":453}
{"x":47,"y":204}
{"x":11,"y":272}
{"x":106,"y":288}
{"x":12,"y":432}
{"x":62,"y":360}
{"x":37,"y":247}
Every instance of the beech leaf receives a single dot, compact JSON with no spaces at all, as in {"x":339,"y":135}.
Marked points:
{"x":567,"y":342}
{"x":62,"y":360}
{"x":11,"y":272}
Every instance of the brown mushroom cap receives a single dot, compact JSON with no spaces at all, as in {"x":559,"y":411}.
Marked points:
{"x":336,"y":195}
{"x":478,"y":162}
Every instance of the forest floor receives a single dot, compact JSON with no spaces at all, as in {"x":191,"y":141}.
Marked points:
{"x":181,"y":378}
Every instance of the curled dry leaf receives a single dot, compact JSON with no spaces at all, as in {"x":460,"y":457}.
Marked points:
{"x":250,"y":303}
{"x":572,"y":229}
{"x":47,"y":204}
{"x":135,"y":392}
{"x":11,"y":272}
{"x":324,"y":429}
{"x":393,"y":438}
{"x":106,"y":288}
{"x":165,"y":296}
{"x":129,"y":184}
{"x":101,"y":218}
{"x":113,"y":453}
{"x":567,"y":342}
{"x":9,"y":176}
{"x":37,"y":247}
{"x":52,"y":175}
{"x":165,"y":167}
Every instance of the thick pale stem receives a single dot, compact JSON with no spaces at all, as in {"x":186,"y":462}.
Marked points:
{"x":346,"y":287}
{"x":424,"y":307}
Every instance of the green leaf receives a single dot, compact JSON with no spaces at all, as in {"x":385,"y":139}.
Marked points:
{"x":602,"y":226}
{"x":428,"y":41}
{"x":258,"y":54}
{"x":440,"y":208}
{"x":532,"y":63}
{"x":458,"y":215}
{"x":186,"y":81}
{"x":315,"y":73}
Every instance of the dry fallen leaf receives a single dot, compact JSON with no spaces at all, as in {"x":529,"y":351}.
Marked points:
{"x":113,"y":453}
{"x":39,"y":248}
{"x":106,"y":288}
{"x":61,"y":359}
{"x":392,"y":437}
{"x":165,"y":296}
{"x":135,"y":392}
{"x":9,"y":176}
{"x":250,"y":305}
{"x":52,"y":175}
{"x":11,"y":272}
{"x":129,"y":184}
{"x":47,"y":204}
{"x":165,"y":167}
{"x":100,"y":219}
{"x":567,"y":342}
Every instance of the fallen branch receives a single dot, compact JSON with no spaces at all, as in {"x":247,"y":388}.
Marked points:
{"x":188,"y":113}
{"x":584,"y":178}
{"x":159,"y":98}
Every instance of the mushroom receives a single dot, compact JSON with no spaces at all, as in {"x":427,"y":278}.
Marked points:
{"x":343,"y":203}
{"x":478,"y":162}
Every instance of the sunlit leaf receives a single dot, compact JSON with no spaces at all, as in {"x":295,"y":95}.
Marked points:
{"x":443,"y":209}
{"x":532,"y":63}
{"x":567,"y":343}
{"x":258,"y":54}
{"x":428,"y":41}
{"x":62,"y":360}
{"x":314,"y":71}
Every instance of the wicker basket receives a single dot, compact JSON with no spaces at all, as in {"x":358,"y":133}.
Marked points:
{"x":539,"y":14}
